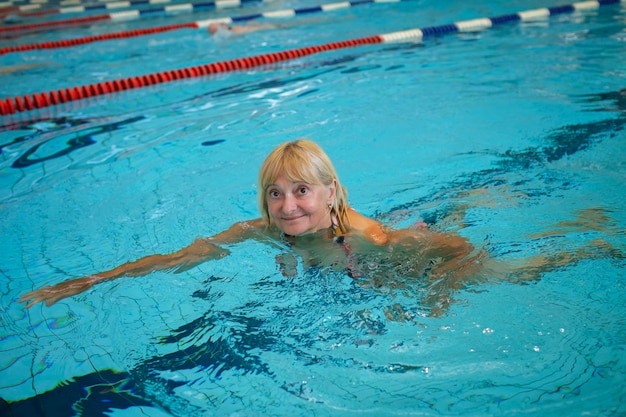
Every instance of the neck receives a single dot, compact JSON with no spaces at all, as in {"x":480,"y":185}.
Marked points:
{"x":321,"y":234}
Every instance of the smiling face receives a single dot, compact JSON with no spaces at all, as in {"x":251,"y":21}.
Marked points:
{"x":298,"y":208}
{"x":297,"y":182}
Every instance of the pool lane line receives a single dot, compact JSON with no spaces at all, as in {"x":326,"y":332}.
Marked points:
{"x":49,"y":25}
{"x":37,"y":101}
{"x":24,"y":103}
{"x":191,"y":8}
{"x":189,"y":25}
{"x":96,"y":38}
{"x":37,"y":4}
{"x":34,"y":9}
{"x":128,"y":15}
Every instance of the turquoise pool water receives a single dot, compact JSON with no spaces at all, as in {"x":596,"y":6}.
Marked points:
{"x":512,"y":136}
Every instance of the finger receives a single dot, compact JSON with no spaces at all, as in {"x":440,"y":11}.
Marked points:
{"x":26,"y":298}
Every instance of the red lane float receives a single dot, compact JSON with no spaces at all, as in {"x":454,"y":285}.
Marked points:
{"x":77,"y":21}
{"x":96,"y":38}
{"x":34,"y":14}
{"x":45,"y":99}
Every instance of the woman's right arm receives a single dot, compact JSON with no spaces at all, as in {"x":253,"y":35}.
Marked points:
{"x":201,"y":250}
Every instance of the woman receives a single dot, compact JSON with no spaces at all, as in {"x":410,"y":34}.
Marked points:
{"x":220,"y":27}
{"x":304,"y":206}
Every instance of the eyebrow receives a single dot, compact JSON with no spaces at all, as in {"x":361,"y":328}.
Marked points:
{"x":301,"y":182}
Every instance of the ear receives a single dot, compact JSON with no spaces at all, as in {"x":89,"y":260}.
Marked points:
{"x":332,"y":188}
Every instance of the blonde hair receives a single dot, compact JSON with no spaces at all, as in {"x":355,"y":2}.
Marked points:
{"x":302,"y":160}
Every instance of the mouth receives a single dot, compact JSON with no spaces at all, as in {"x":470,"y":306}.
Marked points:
{"x":291,"y":219}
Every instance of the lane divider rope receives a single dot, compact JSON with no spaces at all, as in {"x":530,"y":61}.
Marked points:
{"x":197,"y":25}
{"x":32,"y":10}
{"x":96,"y":38}
{"x":40,"y":100}
{"x":191,"y":8}
{"x":35,"y":101}
{"x":11,"y":3}
{"x":49,"y":25}
{"x":35,"y":9}
{"x":126,"y":15}
{"x":68,"y":3}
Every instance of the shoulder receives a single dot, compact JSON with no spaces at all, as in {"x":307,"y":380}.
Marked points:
{"x":367,"y":227}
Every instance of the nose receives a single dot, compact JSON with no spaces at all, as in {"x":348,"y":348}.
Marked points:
{"x":289,"y":203}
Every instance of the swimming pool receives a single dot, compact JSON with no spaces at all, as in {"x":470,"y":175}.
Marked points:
{"x":511,"y":136}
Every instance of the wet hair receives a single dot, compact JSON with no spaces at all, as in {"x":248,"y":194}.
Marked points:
{"x":302,"y":160}
{"x":216,"y":27}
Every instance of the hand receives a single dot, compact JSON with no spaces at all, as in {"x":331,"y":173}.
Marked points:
{"x":52,"y":294}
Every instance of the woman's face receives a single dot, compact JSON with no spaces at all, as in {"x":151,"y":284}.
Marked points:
{"x":299,"y":208}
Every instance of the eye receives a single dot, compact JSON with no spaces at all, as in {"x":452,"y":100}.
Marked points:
{"x":273,"y":193}
{"x":303,"y":190}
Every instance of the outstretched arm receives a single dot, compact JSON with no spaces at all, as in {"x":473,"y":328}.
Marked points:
{"x":201,"y":250}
